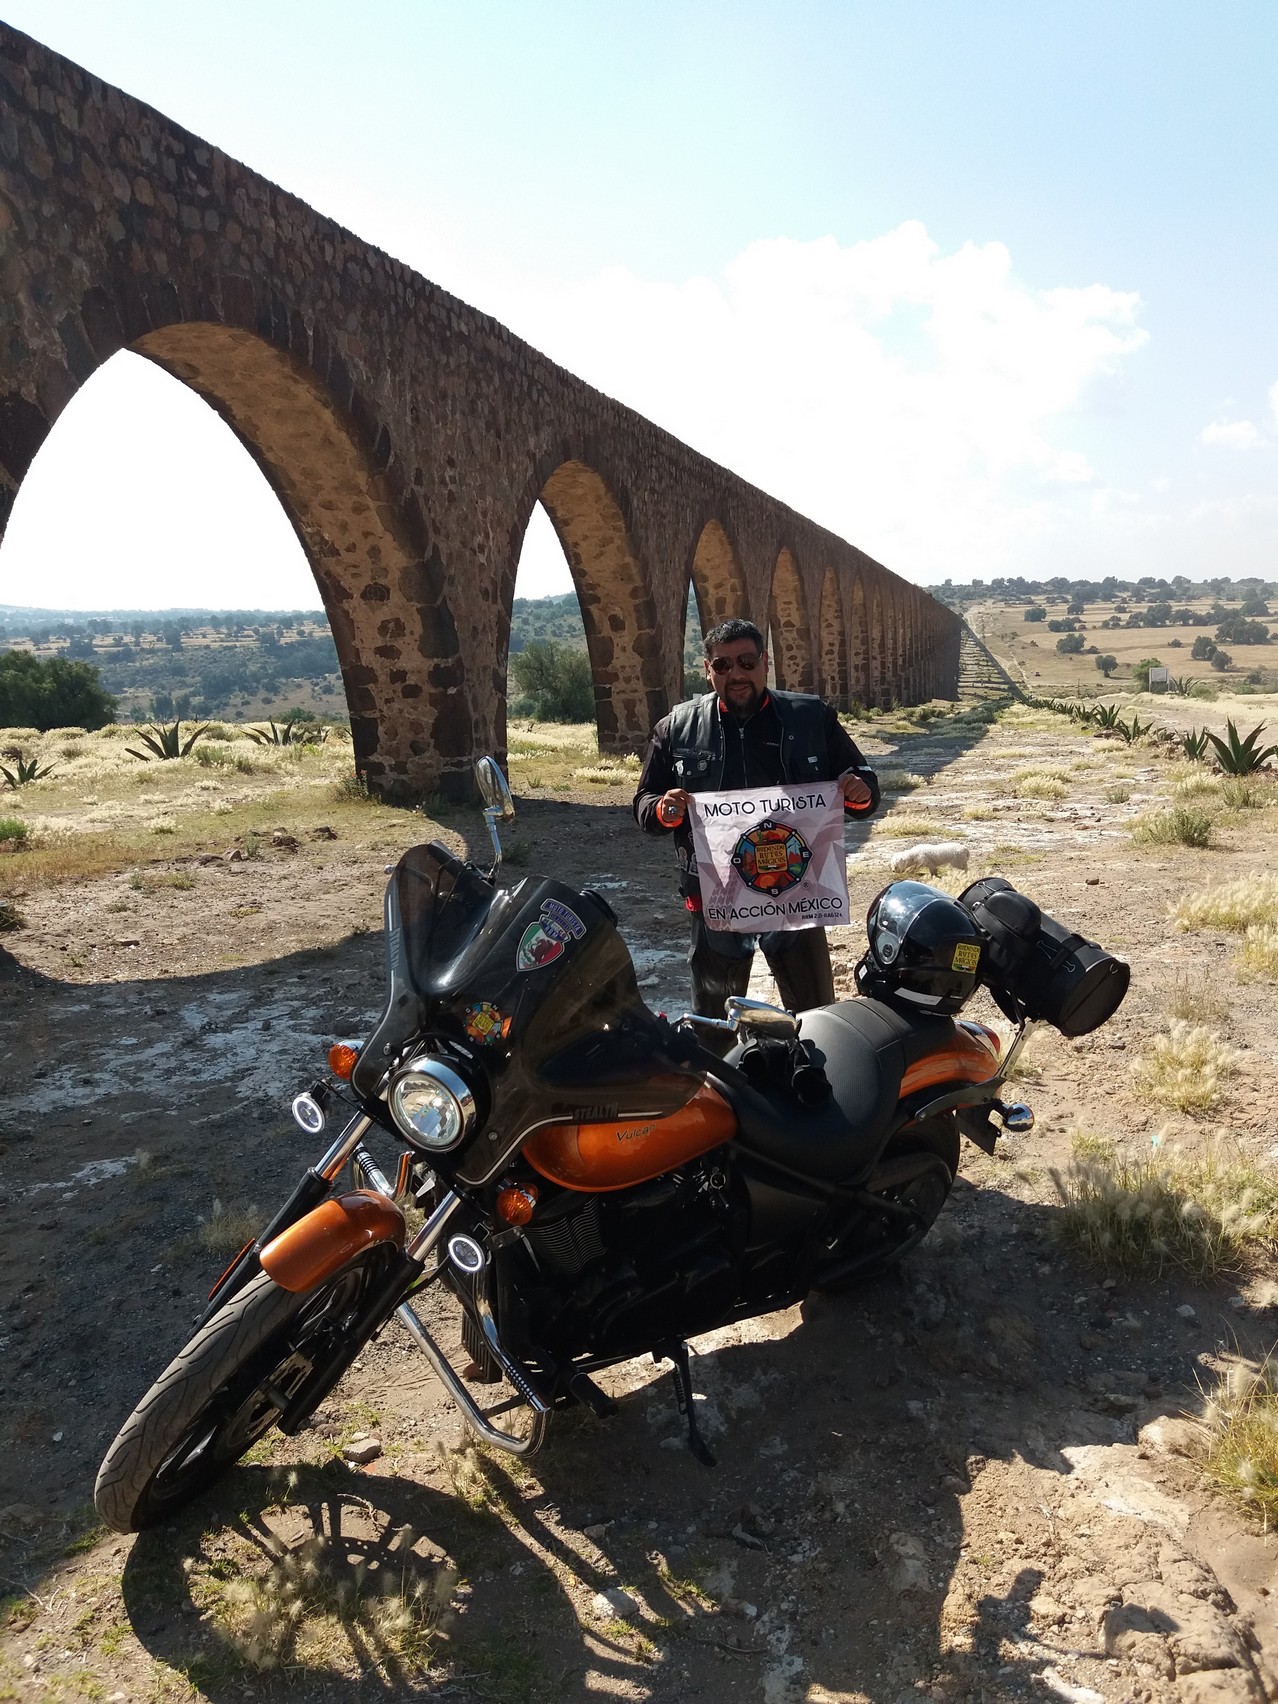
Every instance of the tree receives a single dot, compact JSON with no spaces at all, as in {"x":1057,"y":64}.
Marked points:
{"x":1036,"y":612}
{"x":1070,"y":644}
{"x":52,"y":694}
{"x":1107,"y":665}
{"x":1239,"y":631}
{"x":1141,"y":671}
{"x":1204,"y":649}
{"x":1221,"y":660}
{"x":557,"y":681}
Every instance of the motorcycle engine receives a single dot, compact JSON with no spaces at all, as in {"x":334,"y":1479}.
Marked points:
{"x":618,"y":1272}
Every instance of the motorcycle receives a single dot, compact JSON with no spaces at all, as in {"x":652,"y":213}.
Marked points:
{"x":590,"y":1181}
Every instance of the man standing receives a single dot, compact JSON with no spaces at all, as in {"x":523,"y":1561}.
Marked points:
{"x":743,"y":734}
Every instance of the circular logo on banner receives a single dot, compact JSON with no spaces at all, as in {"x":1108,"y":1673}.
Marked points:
{"x":772,"y":858}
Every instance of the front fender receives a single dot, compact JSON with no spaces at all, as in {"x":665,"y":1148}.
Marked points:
{"x":330,"y":1235}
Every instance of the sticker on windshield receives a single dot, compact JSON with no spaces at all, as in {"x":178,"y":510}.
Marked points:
{"x":544,"y":940}
{"x":484,"y":1023}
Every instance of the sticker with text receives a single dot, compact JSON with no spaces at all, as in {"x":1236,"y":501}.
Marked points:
{"x":484,"y":1023}
{"x":544,"y":940}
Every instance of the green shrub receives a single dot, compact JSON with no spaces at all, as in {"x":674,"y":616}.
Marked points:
{"x":557,"y":681}
{"x":55,"y":693}
{"x":1180,"y":826}
{"x":14,"y":833}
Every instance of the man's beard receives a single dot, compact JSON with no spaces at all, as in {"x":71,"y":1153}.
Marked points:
{"x":740,"y":705}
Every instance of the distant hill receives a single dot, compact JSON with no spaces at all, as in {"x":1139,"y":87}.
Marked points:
{"x":556,"y":618}
{"x":239,"y":664}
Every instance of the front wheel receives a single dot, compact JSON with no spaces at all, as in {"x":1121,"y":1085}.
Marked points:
{"x":225,"y":1390}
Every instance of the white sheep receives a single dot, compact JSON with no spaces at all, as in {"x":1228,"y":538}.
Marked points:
{"x":944,"y":854}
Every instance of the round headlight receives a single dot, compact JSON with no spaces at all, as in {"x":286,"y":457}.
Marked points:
{"x":431,"y":1105}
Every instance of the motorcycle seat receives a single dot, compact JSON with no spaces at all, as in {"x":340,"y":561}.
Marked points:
{"x":865,"y":1048}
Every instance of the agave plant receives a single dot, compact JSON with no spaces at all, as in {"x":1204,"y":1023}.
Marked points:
{"x":25,"y":769}
{"x":277,"y":736}
{"x":1194,"y":745}
{"x":164,"y":742}
{"x":1106,"y":718}
{"x":1180,"y":684}
{"x":1130,"y":732}
{"x":309,"y":733}
{"x":1239,"y":755}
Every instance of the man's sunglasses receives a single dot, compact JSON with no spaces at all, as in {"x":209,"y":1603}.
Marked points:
{"x":725,"y":665}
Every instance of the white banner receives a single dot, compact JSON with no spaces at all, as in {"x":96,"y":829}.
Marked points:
{"x":771,"y":857}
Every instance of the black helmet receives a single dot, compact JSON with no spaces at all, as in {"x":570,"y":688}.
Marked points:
{"x":925,"y":951}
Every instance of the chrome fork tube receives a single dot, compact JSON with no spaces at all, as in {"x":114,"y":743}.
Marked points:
{"x":342,"y":1149}
{"x":419,"y":1246}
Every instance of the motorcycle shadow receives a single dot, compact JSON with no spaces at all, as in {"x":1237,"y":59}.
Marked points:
{"x":348,"y":1585}
{"x":845,"y":1548}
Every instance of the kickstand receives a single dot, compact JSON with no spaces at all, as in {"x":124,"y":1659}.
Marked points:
{"x":677,"y":1355}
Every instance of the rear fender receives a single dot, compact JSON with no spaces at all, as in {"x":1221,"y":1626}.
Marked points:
{"x":330,"y":1235}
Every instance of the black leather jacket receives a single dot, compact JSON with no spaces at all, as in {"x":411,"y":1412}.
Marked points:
{"x":792,"y":737}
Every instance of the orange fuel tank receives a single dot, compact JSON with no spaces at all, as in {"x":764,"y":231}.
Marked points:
{"x":631,"y":1150}
{"x":969,"y":1055}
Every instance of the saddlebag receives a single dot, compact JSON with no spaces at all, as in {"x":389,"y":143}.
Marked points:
{"x":1055,"y":975}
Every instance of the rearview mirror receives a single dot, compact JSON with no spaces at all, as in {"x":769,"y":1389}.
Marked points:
{"x":759,"y":1017}
{"x":493,"y":789}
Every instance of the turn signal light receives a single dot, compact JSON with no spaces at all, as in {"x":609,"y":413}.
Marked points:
{"x":517,"y":1203}
{"x":341,"y":1059}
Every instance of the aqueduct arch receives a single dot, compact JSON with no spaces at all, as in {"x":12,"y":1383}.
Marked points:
{"x":716,"y":577}
{"x":359,"y":543}
{"x":790,"y":641}
{"x":834,"y":643}
{"x":616,"y":603}
{"x":406,"y":434}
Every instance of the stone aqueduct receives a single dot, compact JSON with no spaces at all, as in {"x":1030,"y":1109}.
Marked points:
{"x":408,"y":438}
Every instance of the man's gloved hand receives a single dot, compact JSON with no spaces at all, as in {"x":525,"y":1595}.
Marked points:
{"x":672,"y":807}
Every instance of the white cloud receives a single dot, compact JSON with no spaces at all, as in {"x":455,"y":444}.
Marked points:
{"x":1235,"y":434}
{"x":913,"y":401}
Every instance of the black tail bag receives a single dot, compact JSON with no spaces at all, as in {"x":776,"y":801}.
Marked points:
{"x":1053,"y":974}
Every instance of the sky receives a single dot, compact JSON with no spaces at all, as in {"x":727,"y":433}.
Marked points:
{"x":985,"y":288}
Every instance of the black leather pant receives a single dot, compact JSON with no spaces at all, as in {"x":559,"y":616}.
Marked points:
{"x":799,"y":959}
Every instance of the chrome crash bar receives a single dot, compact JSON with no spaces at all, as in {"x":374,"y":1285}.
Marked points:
{"x":418,"y":1248}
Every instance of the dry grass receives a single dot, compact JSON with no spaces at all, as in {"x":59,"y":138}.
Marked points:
{"x":900,"y":780}
{"x":227,"y":1229}
{"x":909,"y":827}
{"x":1041,"y":784}
{"x":324,"y":1605}
{"x":1197,"y":786}
{"x":1183,"y":825}
{"x":1194,"y":996}
{"x":1241,"y":795}
{"x":609,"y":772}
{"x":1232,"y":906}
{"x":1117,"y":795}
{"x":1242,"y":1419}
{"x":1184,"y":1067}
{"x":1164,"y":1212}
{"x":979,"y":813}
{"x":1259,"y":955}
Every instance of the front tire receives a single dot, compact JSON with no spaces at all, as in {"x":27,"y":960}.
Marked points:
{"x":223,"y":1392}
